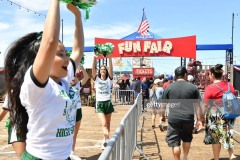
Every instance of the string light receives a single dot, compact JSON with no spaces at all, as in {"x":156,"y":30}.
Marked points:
{"x":27,"y":9}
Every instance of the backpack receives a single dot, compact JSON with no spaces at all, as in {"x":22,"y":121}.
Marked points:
{"x":230,"y":104}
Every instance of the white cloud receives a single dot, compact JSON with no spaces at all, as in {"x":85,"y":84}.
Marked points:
{"x":115,"y":31}
{"x":109,"y":31}
{"x":17,"y":28}
{"x":4,"y":26}
{"x":22,"y":22}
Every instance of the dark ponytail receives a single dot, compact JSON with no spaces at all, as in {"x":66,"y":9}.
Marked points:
{"x":217,"y":71}
{"x":20,"y":56}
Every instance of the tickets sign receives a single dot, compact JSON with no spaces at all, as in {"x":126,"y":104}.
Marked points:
{"x":143,"y":71}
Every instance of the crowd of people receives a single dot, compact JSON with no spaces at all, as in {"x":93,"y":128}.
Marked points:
{"x":177,"y":100}
{"x":43,"y":97}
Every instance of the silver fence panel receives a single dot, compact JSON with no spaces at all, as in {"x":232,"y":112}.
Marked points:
{"x":124,"y":141}
{"x":122,"y":97}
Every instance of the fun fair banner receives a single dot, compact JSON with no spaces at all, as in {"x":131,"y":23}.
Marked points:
{"x":171,"y":47}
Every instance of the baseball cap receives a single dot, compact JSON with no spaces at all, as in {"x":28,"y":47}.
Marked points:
{"x":190,"y":78}
{"x":169,"y":77}
{"x":156,"y":81}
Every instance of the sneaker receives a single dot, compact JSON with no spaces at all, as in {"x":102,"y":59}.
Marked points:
{"x":74,"y":157}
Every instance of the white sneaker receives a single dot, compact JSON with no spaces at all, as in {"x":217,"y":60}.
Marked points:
{"x":74,"y":157}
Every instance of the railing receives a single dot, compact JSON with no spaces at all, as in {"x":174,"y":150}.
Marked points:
{"x":123,"y":97}
{"x":124,"y":141}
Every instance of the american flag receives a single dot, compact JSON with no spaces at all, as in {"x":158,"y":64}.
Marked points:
{"x":143,"y":26}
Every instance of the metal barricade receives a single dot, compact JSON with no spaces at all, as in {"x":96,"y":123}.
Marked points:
{"x":123,"y":97}
{"x":124,"y":141}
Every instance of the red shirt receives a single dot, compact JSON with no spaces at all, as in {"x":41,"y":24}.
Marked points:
{"x":213,"y":93}
{"x":166,"y":84}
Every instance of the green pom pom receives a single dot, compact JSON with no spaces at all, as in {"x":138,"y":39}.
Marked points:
{"x":7,"y":123}
{"x":69,"y":53}
{"x":66,"y":1}
{"x":81,"y":5}
{"x":103,"y":49}
{"x":82,"y":60}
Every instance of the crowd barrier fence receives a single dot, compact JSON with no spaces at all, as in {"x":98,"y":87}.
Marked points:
{"x":124,"y":141}
{"x":123,"y":97}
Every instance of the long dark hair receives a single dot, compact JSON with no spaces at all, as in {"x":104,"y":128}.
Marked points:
{"x":20,"y":56}
{"x":99,"y":74}
{"x":217,"y":71}
{"x":128,"y":82}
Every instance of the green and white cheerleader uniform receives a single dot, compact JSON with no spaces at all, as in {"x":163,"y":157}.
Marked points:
{"x":51,"y":110}
{"x":103,"y":95}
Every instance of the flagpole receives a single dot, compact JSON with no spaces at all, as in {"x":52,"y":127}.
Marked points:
{"x":62,"y":30}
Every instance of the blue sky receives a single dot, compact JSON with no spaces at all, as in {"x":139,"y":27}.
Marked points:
{"x":210,"y":21}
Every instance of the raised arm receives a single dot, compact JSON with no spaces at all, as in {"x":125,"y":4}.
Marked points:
{"x":94,"y":67}
{"x":78,"y":39}
{"x":85,"y":76}
{"x":43,"y":63}
{"x":110,"y":66}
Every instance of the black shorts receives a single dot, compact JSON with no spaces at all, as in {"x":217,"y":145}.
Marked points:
{"x":179,"y":131}
{"x":79,"y":115}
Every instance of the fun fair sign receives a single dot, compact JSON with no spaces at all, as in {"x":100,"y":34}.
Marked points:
{"x":176,"y":47}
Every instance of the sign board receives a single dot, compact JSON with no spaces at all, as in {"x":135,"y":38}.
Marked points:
{"x":143,"y":71}
{"x":176,"y":47}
